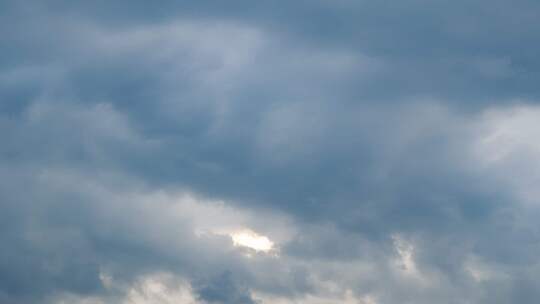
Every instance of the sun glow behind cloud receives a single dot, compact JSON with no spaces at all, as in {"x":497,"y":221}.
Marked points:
{"x":250,"y":239}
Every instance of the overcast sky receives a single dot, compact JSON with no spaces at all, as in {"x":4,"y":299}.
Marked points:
{"x":269,"y":152}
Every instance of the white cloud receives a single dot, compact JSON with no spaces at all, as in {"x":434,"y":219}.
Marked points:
{"x":154,"y":288}
{"x":346,"y":297}
{"x":507,"y":147}
{"x":161,"y":288}
{"x":481,"y":271}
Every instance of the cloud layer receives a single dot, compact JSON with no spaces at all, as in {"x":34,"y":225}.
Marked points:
{"x":380,"y":152}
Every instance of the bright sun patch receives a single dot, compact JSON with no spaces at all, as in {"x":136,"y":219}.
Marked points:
{"x":250,"y":239}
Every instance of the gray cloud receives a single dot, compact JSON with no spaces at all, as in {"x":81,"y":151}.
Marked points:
{"x":387,"y":149}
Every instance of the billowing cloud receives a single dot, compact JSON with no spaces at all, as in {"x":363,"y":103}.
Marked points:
{"x":287,"y":152}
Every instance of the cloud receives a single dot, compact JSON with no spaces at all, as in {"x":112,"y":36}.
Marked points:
{"x":152,"y":153}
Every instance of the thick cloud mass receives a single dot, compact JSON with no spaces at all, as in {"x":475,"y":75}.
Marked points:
{"x":368,"y":152}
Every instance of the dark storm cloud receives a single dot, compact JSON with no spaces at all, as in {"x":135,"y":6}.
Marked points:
{"x":467,"y":51}
{"x":359,"y":120}
{"x":223,"y":290}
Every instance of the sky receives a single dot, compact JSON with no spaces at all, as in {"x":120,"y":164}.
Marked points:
{"x":269,"y":152}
